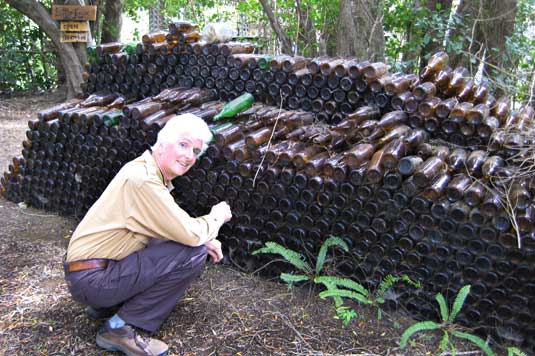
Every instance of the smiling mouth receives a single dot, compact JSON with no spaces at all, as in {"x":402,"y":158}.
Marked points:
{"x":182,"y":164}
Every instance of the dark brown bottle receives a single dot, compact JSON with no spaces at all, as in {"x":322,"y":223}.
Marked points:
{"x":457,"y":186}
{"x":466,"y":91}
{"x":459,"y":112}
{"x":487,"y":127}
{"x":475,"y":161}
{"x":357,"y":154}
{"x":428,"y":106}
{"x":519,"y":195}
{"x":444,"y":108}
{"x":477,"y":114}
{"x":391,"y":119}
{"x":428,"y":170}
{"x":474,"y":194}
{"x":301,"y":158}
{"x":400,"y":84}
{"x":424,"y":90}
{"x":442,"y":79}
{"x":374,"y":70}
{"x":315,"y":164}
{"x":491,"y":203}
{"x":435,"y":63}
{"x":53,"y":112}
{"x":375,"y":171}
{"x":491,"y":166}
{"x":393,"y":152}
{"x":457,"y":78}
{"x":407,"y":165}
{"x":501,"y":108}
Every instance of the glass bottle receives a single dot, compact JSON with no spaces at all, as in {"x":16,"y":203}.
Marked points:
{"x":429,"y":169}
{"x":358,"y":154}
{"x":232,"y":108}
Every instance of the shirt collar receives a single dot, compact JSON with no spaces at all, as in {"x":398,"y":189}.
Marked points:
{"x":151,"y":164}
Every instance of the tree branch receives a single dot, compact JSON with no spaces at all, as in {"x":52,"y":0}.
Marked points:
{"x":283,"y":38}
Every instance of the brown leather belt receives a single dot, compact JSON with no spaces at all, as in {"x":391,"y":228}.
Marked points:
{"x":86,"y":264}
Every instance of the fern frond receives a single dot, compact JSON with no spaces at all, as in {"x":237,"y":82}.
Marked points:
{"x":331,"y":241}
{"x":444,"y":341}
{"x":342,"y":282}
{"x":482,"y":344}
{"x":410,"y":282}
{"x":294,"y":278}
{"x":344,"y":293}
{"x":292,"y":257}
{"x":444,"y":314}
{"x":413,"y":329}
{"x":514,"y":351}
{"x":386,"y":284}
{"x":459,"y":302}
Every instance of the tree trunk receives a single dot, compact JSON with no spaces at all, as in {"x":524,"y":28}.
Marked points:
{"x":488,"y":23}
{"x":411,"y":55}
{"x":285,"y":41}
{"x":113,"y":21}
{"x":306,"y":31}
{"x":155,"y":16}
{"x":360,"y":32}
{"x":497,"y":24}
{"x":66,"y":52}
{"x":434,"y":45}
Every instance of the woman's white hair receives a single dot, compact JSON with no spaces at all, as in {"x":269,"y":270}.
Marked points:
{"x":189,"y":124}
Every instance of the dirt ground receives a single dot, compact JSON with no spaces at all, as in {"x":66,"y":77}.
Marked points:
{"x":226,"y":312}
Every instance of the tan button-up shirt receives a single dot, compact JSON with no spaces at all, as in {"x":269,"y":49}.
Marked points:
{"x":135,"y":207}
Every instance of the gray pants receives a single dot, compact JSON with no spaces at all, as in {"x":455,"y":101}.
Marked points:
{"x":148,"y":283}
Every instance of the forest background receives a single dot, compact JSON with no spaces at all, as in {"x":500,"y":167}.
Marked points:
{"x":494,"y":39}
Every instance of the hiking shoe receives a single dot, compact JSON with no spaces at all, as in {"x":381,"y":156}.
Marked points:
{"x":127,"y":340}
{"x":100,"y":313}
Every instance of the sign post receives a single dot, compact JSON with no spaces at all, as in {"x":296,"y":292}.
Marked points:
{"x":74,"y":21}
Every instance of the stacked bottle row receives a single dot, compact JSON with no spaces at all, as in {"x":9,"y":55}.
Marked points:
{"x":443,"y":101}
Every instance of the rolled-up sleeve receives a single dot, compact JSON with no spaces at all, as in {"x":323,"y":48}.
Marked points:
{"x":152,"y":211}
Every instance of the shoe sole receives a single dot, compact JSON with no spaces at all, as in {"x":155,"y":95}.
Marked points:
{"x":106,"y":345}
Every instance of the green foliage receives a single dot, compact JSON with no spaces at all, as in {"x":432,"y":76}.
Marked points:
{"x":298,"y":260}
{"x":482,"y":344}
{"x":332,"y":282}
{"x":26,"y":58}
{"x":415,"y":328}
{"x":331,"y":241}
{"x":513,"y":351}
{"x":290,"y":279}
{"x":359,"y":293}
{"x":290,"y":256}
{"x":346,"y":314}
{"x":447,"y":326}
{"x":444,"y":313}
{"x":459,"y":302}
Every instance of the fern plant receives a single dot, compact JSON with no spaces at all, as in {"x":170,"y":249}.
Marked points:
{"x":447,"y":325}
{"x":355,"y":291}
{"x":513,"y":351}
{"x":298,"y":260}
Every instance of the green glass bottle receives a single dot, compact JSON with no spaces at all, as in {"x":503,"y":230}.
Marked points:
{"x":235,"y":106}
{"x":130,"y":48}
{"x":91,"y":54}
{"x":263,"y":62}
{"x":113,"y":118}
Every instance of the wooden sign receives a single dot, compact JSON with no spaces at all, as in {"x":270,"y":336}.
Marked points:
{"x":73,"y":37}
{"x":76,"y":26}
{"x":74,"y":12}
